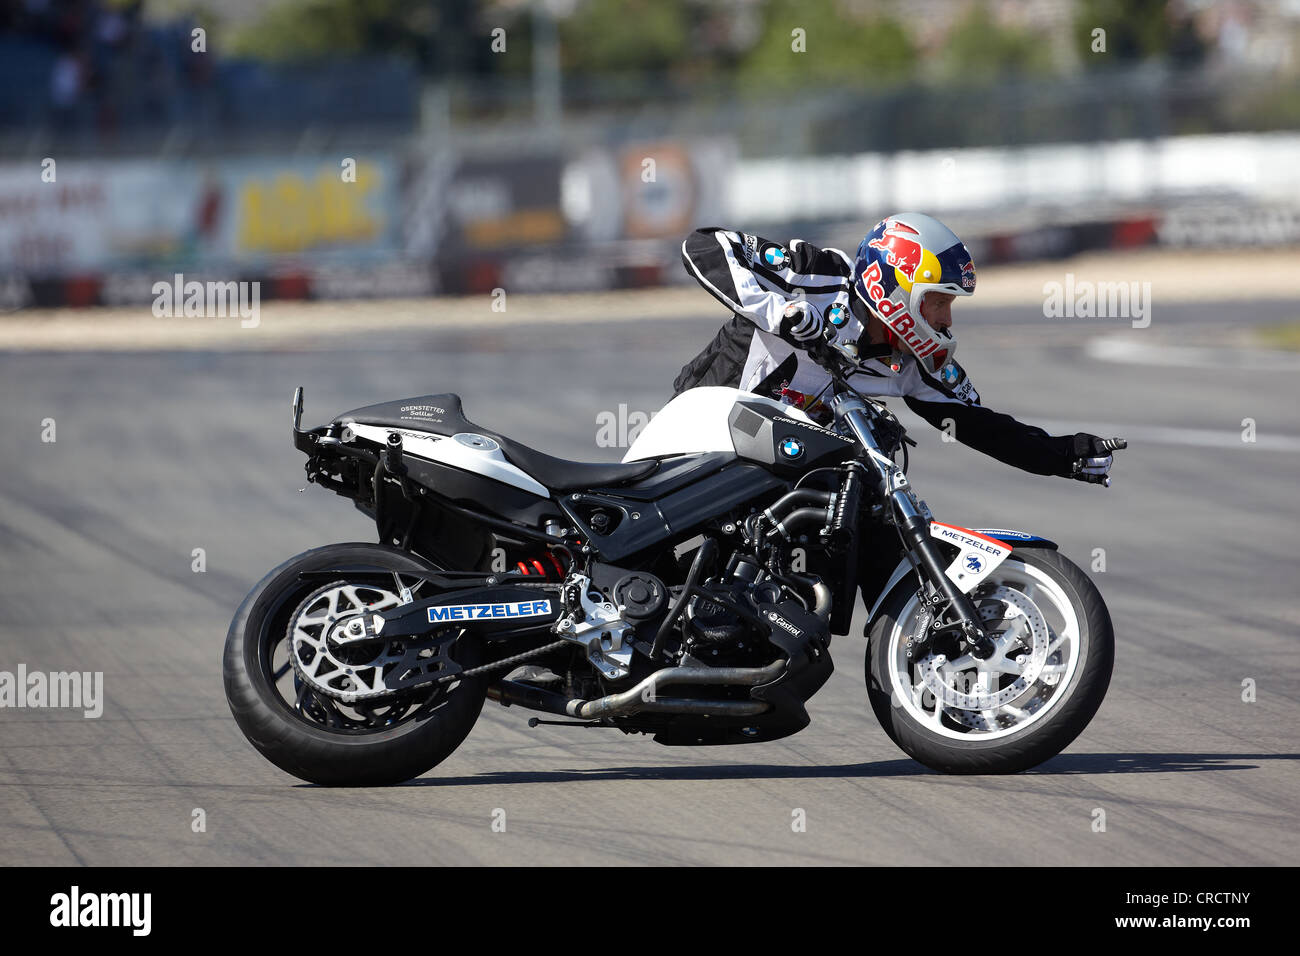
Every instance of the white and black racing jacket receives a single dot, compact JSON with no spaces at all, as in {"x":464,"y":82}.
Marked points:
{"x":756,"y":279}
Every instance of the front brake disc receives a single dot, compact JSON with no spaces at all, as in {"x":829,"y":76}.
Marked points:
{"x":1027,"y":628}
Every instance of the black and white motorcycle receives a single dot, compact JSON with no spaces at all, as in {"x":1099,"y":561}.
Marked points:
{"x":688,"y":592}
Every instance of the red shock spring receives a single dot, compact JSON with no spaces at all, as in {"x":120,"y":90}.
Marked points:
{"x":537,"y":567}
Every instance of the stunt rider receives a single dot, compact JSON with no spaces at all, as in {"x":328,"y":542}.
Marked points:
{"x":894,"y":299}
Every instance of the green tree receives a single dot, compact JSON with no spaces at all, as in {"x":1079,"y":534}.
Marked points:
{"x":606,"y":36}
{"x":436,"y":35}
{"x":1135,"y":30}
{"x":838,"y":47}
{"x":978,"y":47}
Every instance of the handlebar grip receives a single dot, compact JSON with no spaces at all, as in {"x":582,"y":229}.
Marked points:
{"x":392,"y":455}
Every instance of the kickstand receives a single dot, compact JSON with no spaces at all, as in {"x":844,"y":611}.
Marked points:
{"x":536,"y":721}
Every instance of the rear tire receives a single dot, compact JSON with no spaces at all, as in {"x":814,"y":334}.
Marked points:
{"x":941,"y":745}
{"x":336,"y":757}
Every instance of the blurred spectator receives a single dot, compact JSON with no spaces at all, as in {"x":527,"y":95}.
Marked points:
{"x":66,"y":84}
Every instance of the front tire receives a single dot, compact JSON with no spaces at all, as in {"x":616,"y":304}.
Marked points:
{"x":308,"y":734}
{"x":950,"y":715}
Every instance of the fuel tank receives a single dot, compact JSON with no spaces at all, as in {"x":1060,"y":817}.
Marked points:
{"x":753,"y":428}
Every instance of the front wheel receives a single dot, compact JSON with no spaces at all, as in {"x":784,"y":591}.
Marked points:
{"x":335,"y":712}
{"x":1044,"y":682}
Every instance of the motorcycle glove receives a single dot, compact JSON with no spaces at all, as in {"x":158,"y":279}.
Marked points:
{"x":800,"y":324}
{"x":1092,"y":458}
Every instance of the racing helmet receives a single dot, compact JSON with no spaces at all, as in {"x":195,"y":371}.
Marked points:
{"x":900,"y":260}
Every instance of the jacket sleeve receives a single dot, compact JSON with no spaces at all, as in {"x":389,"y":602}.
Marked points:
{"x":997,"y":435}
{"x":754,"y":277}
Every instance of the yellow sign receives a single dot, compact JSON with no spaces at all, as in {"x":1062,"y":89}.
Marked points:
{"x":290,"y":212}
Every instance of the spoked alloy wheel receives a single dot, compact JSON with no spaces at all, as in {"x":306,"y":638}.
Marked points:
{"x":346,"y":684}
{"x":1014,"y":687}
{"x":335,"y":710}
{"x":1026,"y":702}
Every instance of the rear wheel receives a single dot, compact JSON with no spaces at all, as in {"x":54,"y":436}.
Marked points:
{"x":1024,"y":704}
{"x":334,"y":712}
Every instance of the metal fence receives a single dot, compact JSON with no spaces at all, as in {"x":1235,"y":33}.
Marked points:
{"x":242,"y":105}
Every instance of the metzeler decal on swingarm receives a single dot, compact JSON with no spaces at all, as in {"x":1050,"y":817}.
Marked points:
{"x":465,"y":612}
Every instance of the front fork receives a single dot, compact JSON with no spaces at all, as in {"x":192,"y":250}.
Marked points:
{"x":914,"y":529}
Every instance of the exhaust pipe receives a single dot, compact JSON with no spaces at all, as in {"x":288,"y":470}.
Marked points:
{"x":644,"y":696}
{"x":821,"y":595}
{"x":708,"y":708}
{"x":646,"y":692}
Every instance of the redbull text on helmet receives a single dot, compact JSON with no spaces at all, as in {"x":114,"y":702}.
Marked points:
{"x":904,"y":327}
{"x":894,"y":315}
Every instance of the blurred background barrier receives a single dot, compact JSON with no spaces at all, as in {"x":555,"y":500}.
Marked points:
{"x":350,"y":149}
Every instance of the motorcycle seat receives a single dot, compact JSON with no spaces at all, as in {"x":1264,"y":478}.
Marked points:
{"x":443,"y":415}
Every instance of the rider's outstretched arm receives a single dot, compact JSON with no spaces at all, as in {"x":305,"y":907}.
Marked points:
{"x":958,"y":410}
{"x":1000,"y":436}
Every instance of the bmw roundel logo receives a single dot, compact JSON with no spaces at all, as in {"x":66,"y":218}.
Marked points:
{"x":792,"y":448}
{"x":949,"y":374}
{"x":837,"y":315}
{"x":776,"y":257}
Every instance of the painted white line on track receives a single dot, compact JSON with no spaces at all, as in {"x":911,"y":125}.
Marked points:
{"x":1172,"y":435}
{"x":1122,"y":349}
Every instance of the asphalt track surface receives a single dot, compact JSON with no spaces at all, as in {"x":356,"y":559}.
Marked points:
{"x":157,"y":454}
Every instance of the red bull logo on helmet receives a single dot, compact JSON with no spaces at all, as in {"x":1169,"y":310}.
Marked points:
{"x":901,"y":252}
{"x":968,"y":274}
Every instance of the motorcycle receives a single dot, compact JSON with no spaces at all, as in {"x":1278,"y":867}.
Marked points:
{"x":689,"y":592}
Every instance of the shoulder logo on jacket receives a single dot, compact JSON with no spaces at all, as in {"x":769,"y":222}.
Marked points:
{"x":966,"y":392}
{"x":776,"y":256}
{"x":954,"y":376}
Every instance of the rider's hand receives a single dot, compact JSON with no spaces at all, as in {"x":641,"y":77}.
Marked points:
{"x":1092,"y":457}
{"x":800,"y":324}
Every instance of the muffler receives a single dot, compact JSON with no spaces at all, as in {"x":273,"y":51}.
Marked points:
{"x":645,"y":697}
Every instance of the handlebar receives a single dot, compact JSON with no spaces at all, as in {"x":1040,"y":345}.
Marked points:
{"x":840,"y":361}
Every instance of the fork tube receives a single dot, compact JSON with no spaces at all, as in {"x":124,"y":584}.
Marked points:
{"x":913,"y":527}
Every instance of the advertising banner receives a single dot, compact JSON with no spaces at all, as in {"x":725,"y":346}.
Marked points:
{"x":96,"y":216}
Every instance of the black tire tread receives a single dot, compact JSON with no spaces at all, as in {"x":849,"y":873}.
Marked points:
{"x":317,"y":756}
